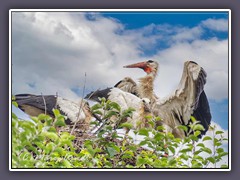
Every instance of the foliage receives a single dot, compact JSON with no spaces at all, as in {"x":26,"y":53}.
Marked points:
{"x":40,"y":143}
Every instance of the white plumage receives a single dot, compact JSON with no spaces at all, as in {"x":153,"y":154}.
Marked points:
{"x":73,"y":111}
{"x":127,"y":100}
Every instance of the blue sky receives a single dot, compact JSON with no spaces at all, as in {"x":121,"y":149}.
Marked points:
{"x":52,"y":51}
{"x":136,"y":20}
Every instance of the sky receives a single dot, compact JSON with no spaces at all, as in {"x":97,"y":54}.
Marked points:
{"x":52,"y":52}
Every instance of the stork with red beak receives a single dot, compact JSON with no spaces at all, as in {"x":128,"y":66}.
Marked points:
{"x":146,"y":83}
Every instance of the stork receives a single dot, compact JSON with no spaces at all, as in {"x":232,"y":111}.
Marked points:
{"x":34,"y":105}
{"x":189,"y":99}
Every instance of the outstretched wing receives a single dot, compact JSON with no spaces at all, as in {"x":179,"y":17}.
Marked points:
{"x":189,"y":99}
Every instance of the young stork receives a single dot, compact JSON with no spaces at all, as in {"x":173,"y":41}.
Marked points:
{"x":34,"y":105}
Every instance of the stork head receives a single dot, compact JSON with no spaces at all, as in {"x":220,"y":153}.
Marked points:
{"x":148,"y":66}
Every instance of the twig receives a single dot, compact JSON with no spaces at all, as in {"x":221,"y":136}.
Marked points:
{"x":100,"y":127}
{"x":45,"y":106}
{"x":81,"y":104}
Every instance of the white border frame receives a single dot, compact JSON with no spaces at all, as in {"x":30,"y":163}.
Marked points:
{"x":120,"y":10}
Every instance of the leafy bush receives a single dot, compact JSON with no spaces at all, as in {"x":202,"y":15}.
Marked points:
{"x":46,"y":142}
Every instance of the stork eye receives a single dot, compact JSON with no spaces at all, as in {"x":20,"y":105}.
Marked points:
{"x":150,"y":61}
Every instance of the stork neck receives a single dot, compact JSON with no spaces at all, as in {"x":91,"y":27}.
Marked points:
{"x":145,"y":88}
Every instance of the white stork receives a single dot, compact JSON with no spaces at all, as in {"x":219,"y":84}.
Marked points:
{"x":34,"y":105}
{"x":189,"y":99}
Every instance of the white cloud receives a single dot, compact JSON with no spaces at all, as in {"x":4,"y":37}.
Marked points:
{"x":216,"y":24}
{"x":189,"y":34}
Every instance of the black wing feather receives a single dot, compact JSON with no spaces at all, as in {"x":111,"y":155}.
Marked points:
{"x":95,"y":95}
{"x":41,"y":102}
{"x":202,"y":112}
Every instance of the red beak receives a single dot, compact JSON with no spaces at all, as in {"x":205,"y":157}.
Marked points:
{"x":137,"y":65}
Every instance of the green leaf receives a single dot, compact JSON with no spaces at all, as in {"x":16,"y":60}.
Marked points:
{"x":40,"y":145}
{"x":60,"y":122}
{"x":15,"y":103}
{"x":49,"y":147}
{"x":90,"y":150}
{"x":217,"y":142}
{"x":129,"y":153}
{"x":223,"y":154}
{"x":51,"y":135}
{"x":151,"y":123}
{"x":96,"y":107}
{"x":110,"y":114}
{"x":197,"y":133}
{"x":196,"y":164}
{"x":193,"y":119}
{"x":143,"y":132}
{"x":172,"y":149}
{"x":56,"y":112}
{"x":211,"y":159}
{"x":224,"y":166}
{"x":198,"y":157}
{"x":184,"y":156}
{"x":206,"y":138}
{"x":193,"y":137}
{"x":126,"y":125}
{"x":219,"y":150}
{"x":160,"y":128}
{"x":158,"y":136}
{"x":67,"y":164}
{"x":207,"y":150}
{"x":201,"y":145}
{"x":219,"y":132}
{"x":115,"y":106}
{"x":111,"y":151}
{"x":198,"y":127}
{"x":140,"y":161}
{"x":186,"y":150}
{"x":172,"y":161}
{"x":13,"y":98}
{"x":98,"y":112}
{"x":184,"y":128}
{"x":142,"y":143}
{"x":42,"y":116}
